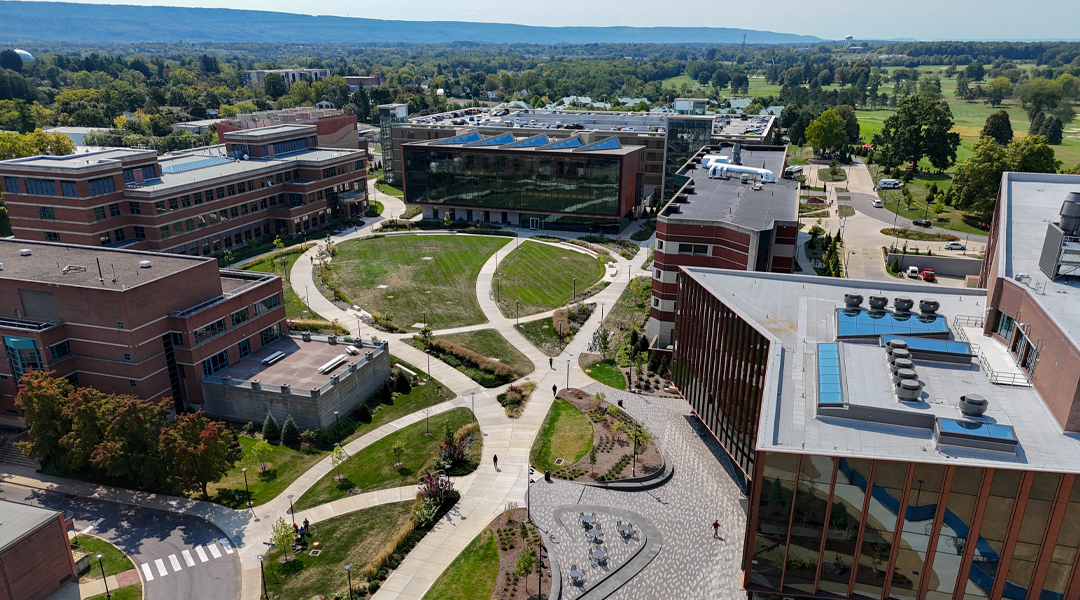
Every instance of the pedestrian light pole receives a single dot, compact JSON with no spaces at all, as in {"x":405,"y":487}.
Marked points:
{"x":348,"y":571}
{"x":262,"y":573}
{"x":247,"y":490}
{"x":517,"y":311}
{"x":292,"y":512}
{"x":103,"y":578}
{"x":568,"y":373}
{"x":575,"y":290}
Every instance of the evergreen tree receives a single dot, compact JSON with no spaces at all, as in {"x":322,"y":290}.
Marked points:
{"x":270,"y":427}
{"x":290,"y":433}
{"x":1053,"y":131}
{"x":1037,"y":124}
{"x":999,"y":127}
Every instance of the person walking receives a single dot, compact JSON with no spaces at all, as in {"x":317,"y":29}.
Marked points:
{"x":716,"y":529}
{"x":495,"y":461}
{"x":551,"y":362}
{"x":554,"y":390}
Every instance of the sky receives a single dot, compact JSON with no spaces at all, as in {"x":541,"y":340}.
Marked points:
{"x":863,"y":19}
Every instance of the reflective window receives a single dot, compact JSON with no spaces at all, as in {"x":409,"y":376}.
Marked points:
{"x":808,"y":521}
{"x":774,"y":512}
{"x":1032,"y":528}
{"x":1064,"y":555}
{"x":995,"y":526}
{"x":844,"y":519}
{"x":955,"y":526}
{"x":917,"y":525}
{"x":881,"y":513}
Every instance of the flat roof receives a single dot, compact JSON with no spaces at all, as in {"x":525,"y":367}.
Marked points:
{"x":78,"y":161}
{"x":568,"y":142}
{"x":17,"y":520}
{"x":299,"y":368}
{"x":48,"y":261}
{"x":797,"y":312}
{"x":732,"y":201}
{"x":271,"y":131}
{"x":1032,"y":201}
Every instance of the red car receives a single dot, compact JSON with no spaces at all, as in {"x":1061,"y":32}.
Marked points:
{"x":928,"y":275}
{"x":815,"y":200}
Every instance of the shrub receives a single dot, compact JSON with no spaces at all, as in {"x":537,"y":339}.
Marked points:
{"x":270,"y":429}
{"x":401,"y":383}
{"x":425,"y":515}
{"x":290,"y":433}
{"x":469,"y":358}
{"x":311,"y":436}
{"x":317,"y":326}
{"x":248,"y":428}
{"x":364,"y":413}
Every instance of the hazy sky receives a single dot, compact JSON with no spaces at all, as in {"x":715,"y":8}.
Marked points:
{"x":877,"y":19}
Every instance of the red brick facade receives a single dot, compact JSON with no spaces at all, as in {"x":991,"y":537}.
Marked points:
{"x":38,"y":564}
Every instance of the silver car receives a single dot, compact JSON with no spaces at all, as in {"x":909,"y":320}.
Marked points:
{"x":955,"y":246}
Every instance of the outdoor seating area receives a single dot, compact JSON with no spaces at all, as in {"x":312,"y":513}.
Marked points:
{"x":600,"y":546}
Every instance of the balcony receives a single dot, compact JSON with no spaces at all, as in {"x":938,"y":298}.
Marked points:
{"x":28,"y":325}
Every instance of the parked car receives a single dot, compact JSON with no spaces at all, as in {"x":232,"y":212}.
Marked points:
{"x":877,"y":203}
{"x":816,"y":200}
{"x":913,"y":272}
{"x":921,"y":223}
{"x":928,"y":275}
{"x":889,"y":184}
{"x":955,"y":246}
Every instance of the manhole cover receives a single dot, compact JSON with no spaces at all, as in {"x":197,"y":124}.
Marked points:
{"x":315,"y":552}
{"x":355,"y":491}
{"x":559,"y":461}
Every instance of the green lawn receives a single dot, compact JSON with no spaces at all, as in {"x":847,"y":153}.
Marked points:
{"x":607,"y":373}
{"x":472,"y":575}
{"x":444,"y":286}
{"x":492,"y":344}
{"x":128,"y":592}
{"x":284,"y":466}
{"x":566,"y":433}
{"x":113,"y":559}
{"x":294,"y":306}
{"x":542,"y":277}
{"x":541,"y":333}
{"x":952,"y":218}
{"x":354,"y":538}
{"x":378,"y":206}
{"x":373,"y":467}
{"x":389,"y":190}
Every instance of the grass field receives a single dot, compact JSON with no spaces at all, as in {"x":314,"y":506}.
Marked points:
{"x":566,"y":433}
{"x":951,"y":218}
{"x":541,"y":333}
{"x":542,"y":277}
{"x":294,"y":306}
{"x":373,"y":467}
{"x":473,"y":573}
{"x":354,"y":538}
{"x":389,"y":190}
{"x":492,"y":344}
{"x":607,"y":373}
{"x":284,"y":465}
{"x":113,"y":559}
{"x":444,"y":286}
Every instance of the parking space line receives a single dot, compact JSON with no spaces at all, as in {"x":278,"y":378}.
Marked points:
{"x":147,"y":573}
{"x":187,"y":558}
{"x":213,"y":550}
{"x":201,"y":553}
{"x":160,"y":564}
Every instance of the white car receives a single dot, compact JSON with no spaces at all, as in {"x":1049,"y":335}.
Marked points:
{"x":955,"y":246}
{"x":877,"y":203}
{"x":913,"y":271}
{"x":889,"y":184}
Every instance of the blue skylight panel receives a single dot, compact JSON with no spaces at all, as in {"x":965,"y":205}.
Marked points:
{"x":866,"y":323}
{"x":570,"y":143}
{"x":608,"y":144}
{"x":531,"y":142}
{"x":467,"y":138}
{"x":195,"y":165}
{"x":830,"y":390}
{"x":498,"y":140}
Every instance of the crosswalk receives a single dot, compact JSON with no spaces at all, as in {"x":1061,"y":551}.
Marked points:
{"x":159,"y":567}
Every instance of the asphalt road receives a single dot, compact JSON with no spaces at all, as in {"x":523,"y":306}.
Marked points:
{"x":154,"y":538}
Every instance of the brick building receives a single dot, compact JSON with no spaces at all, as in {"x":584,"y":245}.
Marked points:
{"x":121,"y":321}
{"x":262,"y":181}
{"x":35,"y":558}
{"x":333,"y":128}
{"x":741,"y":216}
{"x":889,"y":449}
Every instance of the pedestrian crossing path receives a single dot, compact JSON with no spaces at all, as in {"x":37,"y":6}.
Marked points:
{"x":205,"y":552}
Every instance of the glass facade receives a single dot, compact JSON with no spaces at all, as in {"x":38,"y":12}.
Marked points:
{"x":684,"y":138}
{"x":518,"y":181}
{"x":910,"y":530}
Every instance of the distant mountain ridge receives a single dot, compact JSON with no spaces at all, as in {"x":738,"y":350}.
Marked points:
{"x":45,"y":22}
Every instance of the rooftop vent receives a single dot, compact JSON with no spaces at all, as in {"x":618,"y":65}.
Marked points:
{"x":145,"y":264}
{"x":895,"y":345}
{"x":25,"y":252}
{"x":1070,"y":214}
{"x":902,"y":374}
{"x":70,"y":268}
{"x":878,"y":302}
{"x":903,"y":304}
{"x":908,"y":390}
{"x":929,"y":307}
{"x":973,"y":405}
{"x":901,"y":363}
{"x":898,"y":354}
{"x":853,"y":300}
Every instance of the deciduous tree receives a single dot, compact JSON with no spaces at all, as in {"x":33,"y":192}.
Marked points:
{"x":920,"y":127}
{"x":827,"y":132}
{"x":43,"y":399}
{"x":999,"y":127}
{"x":199,"y":451}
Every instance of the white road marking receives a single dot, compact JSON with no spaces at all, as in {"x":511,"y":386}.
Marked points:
{"x":175,"y":563}
{"x":147,"y":573}
{"x":92,"y":525}
{"x":187,"y":558}
{"x":226,"y":545}
{"x":160,"y":564}
{"x":213,"y":550}
{"x":202,"y":555}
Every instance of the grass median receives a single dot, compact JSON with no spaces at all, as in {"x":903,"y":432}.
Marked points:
{"x":473,"y":573}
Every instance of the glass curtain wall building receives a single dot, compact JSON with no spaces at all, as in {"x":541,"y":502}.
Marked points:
{"x":563,"y":184}
{"x":686,"y":135}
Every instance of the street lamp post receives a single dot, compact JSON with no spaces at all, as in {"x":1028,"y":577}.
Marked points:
{"x":251,"y":507}
{"x":357,"y":326}
{"x":247,"y":490}
{"x":425,"y":318}
{"x":517,"y":311}
{"x":292,"y":512}
{"x":568,"y":373}
{"x":601,"y":313}
{"x":474,"y":406}
{"x":102,"y":566}
{"x":262,"y":573}
{"x":575,"y":290}
{"x":348,"y":571}
{"x":335,"y":418}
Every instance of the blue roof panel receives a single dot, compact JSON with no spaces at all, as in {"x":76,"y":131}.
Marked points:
{"x":531,"y":142}
{"x":194,"y":165}
{"x":859,"y":322}
{"x":830,"y":390}
{"x":467,"y":138}
{"x":573,"y":142}
{"x":498,"y":140}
